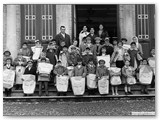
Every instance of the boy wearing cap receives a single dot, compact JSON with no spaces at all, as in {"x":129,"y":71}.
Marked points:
{"x":125,"y":45}
{"x":6,"y":54}
{"x":8,"y":65}
{"x":20,"y":64}
{"x":97,"y":46}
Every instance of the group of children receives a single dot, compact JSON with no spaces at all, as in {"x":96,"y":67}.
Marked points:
{"x":125,"y":63}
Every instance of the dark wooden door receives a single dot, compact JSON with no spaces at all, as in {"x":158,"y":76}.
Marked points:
{"x":38,"y":22}
{"x":145,"y":27}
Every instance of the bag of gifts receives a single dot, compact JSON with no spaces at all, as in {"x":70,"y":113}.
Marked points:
{"x":115,"y":80}
{"x":152,"y":64}
{"x":19,"y":72}
{"x":91,"y":81}
{"x":78,"y":85}
{"x":103,"y":85}
{"x":8,"y":78}
{"x":131,"y":80}
{"x":45,"y":68}
{"x":62,"y":83}
{"x":70,"y":70}
{"x":36,"y":52}
{"x":145,"y":75}
{"x":115,"y":72}
{"x":29,"y":84}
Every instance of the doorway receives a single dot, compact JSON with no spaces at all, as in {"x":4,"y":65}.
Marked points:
{"x":94,"y":15}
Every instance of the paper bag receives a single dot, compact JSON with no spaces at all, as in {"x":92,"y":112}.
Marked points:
{"x":70,"y":70}
{"x":145,"y":75}
{"x":131,"y":80}
{"x":45,"y":68}
{"x":19,"y":72}
{"x":8,"y":78}
{"x":115,"y":80}
{"x":91,"y":81}
{"x":103,"y":85}
{"x":78,"y":85}
{"x":62,"y":83}
{"x":29,"y":83}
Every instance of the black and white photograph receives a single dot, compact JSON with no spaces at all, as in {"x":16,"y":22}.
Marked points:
{"x":79,"y":59}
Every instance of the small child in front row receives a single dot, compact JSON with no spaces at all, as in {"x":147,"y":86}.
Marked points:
{"x":60,"y":70}
{"x":102,"y":70}
{"x":91,"y":69}
{"x":115,"y":80}
{"x":79,"y":70}
{"x":128,"y":73}
{"x":43,"y":79}
{"x":145,"y":73}
{"x":30,"y":69}
{"x":8,"y":65}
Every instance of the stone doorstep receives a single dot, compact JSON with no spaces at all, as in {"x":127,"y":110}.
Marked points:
{"x":81,"y":98}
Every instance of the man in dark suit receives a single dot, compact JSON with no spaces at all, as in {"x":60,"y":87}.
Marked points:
{"x":62,"y":36}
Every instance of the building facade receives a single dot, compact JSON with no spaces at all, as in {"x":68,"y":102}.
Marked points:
{"x":42,"y":21}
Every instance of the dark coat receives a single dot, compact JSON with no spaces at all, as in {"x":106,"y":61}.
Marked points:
{"x":103,"y":35}
{"x":32,"y":71}
{"x":92,"y":38}
{"x":52,"y":57}
{"x":59,"y":38}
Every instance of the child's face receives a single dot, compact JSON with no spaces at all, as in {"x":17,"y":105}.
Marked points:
{"x":135,"y":39}
{"x":53,"y":42}
{"x":91,"y":62}
{"x":114,"y":42}
{"x":113,"y":65}
{"x":87,"y":50}
{"x":79,"y":63}
{"x":43,"y":54}
{"x":127,"y":63}
{"x":103,"y":50}
{"x":133,"y":46}
{"x":24,"y":46}
{"x":91,"y":30}
{"x":73,"y":50}
{"x":88,"y":40}
{"x":153,"y":52}
{"x":37,"y":43}
{"x":119,"y":44}
{"x":75,"y":43}
{"x":59,"y":63}
{"x":97,"y":41}
{"x":124,"y":42}
{"x":144,"y":62}
{"x":101,"y":63}
{"x":8,"y":61}
{"x":30,"y":64}
{"x":62,"y":43}
{"x":65,"y":49}
{"x":43,"y":60}
{"x":6,"y":54}
{"x":19,"y":56}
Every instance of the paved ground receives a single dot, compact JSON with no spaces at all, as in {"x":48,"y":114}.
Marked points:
{"x":71,"y":108}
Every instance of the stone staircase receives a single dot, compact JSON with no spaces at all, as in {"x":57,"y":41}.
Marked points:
{"x":136,"y":90}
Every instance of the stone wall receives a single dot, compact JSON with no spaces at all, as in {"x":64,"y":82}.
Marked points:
{"x":11,"y":29}
{"x":127,"y":21}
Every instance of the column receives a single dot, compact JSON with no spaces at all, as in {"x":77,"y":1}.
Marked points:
{"x":13,"y":29}
{"x":64,"y":18}
{"x":127,"y":21}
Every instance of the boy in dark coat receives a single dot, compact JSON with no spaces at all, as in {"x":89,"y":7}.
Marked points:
{"x":87,"y":55}
{"x":30,"y":69}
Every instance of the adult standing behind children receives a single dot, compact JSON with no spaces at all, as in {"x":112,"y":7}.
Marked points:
{"x":83,"y":34}
{"x":62,"y":36}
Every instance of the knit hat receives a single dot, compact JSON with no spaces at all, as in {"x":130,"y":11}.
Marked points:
{"x":6,"y":51}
